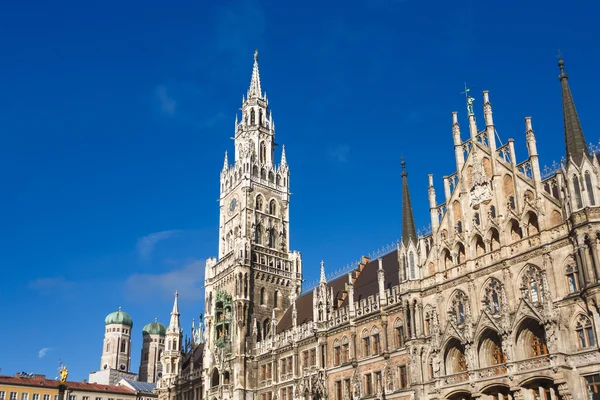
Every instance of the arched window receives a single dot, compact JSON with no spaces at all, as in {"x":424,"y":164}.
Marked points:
{"x":260,"y":117}
{"x":215,"y":378}
{"x":252,"y":117}
{"x":476,"y":219}
{"x":337,"y":353}
{"x":577,"y":192}
{"x":259,"y":203}
{"x":589,"y":188}
{"x":585,"y":333}
{"x":411,"y":263}
{"x":458,"y":307}
{"x":376,"y":340}
{"x":123,"y":347}
{"x":272,"y":207}
{"x":145,"y":356}
{"x":492,"y":212}
{"x":573,"y":278}
{"x":272,"y":238}
{"x":399,"y":334}
{"x":263,"y":152}
{"x":459,"y":226}
{"x":532,"y":284}
{"x":258,"y":234}
{"x":345,"y":350}
{"x":108,"y":346}
{"x":276,"y":299}
{"x":366,"y":342}
{"x":492,"y":299}
{"x":262,"y":296}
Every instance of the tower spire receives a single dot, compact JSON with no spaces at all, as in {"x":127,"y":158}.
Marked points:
{"x":255,"y":89}
{"x":409,"y":232}
{"x":323,"y":279}
{"x":225,"y":162}
{"x":174,"y":323}
{"x":574,"y":139}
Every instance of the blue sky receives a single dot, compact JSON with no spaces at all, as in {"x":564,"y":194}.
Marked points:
{"x":114,"y":118}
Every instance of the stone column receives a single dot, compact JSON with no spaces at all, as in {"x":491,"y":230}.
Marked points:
{"x":594,"y":252}
{"x":384,"y":326}
{"x":412,"y":321}
{"x":582,"y":266}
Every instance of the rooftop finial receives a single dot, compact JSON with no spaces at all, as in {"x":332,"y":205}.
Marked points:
{"x":469,"y":99}
{"x":120,"y":309}
{"x":255,"y":89}
{"x":323,"y":278}
{"x":561,"y":65}
{"x":403,"y":164}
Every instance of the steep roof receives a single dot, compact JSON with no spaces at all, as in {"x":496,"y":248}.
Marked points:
{"x":365,"y":285}
{"x":140,"y":386}
{"x":195,"y":357}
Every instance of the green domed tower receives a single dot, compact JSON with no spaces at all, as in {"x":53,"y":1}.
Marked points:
{"x":116,"y":353}
{"x":153,"y":345}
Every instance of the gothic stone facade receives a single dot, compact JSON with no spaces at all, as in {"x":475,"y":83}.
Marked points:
{"x":499,"y":301}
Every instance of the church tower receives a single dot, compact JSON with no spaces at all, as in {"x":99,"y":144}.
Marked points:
{"x":115,"y":362}
{"x":251,"y":284}
{"x":116,"y":353}
{"x":152,"y":348}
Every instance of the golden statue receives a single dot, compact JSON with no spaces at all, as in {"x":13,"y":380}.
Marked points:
{"x":63,"y":374}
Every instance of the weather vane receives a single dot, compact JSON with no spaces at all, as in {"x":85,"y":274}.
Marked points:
{"x":470,"y":99}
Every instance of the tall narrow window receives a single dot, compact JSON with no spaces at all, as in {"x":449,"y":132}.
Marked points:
{"x":573,"y":279}
{"x":590,"y":189}
{"x":272,"y":238}
{"x":252,"y":117}
{"x":577,"y":192}
{"x":585,"y":333}
{"x":276,"y":299}
{"x":258,"y":234}
{"x":263,"y":152}
{"x":262,"y":296}
{"x":411,"y":262}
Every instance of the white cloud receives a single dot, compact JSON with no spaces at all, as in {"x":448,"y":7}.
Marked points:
{"x":340,"y":153}
{"x":145,"y":245}
{"x":188,"y":281}
{"x":166,"y":103}
{"x":50,"y":285}
{"x":43,"y":352}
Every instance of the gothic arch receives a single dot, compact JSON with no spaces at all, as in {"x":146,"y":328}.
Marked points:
{"x":494,"y":238}
{"x":460,"y":251}
{"x":513,"y":231}
{"x":214,"y":380}
{"x":489,"y":349}
{"x":478,"y":246}
{"x":455,"y":360}
{"x":492,"y":295}
{"x":259,"y":202}
{"x":532,"y":226}
{"x":271,"y":177}
{"x":458,"y":306}
{"x":446,"y":259}
{"x":531,"y":283}
{"x":273,"y":207}
{"x":530,"y":338}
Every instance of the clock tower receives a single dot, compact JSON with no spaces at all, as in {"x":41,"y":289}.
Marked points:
{"x":256,"y":275}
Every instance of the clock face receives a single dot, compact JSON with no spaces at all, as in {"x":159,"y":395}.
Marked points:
{"x":233,"y":204}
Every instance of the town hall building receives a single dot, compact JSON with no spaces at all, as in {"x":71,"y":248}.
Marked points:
{"x":499,"y":301}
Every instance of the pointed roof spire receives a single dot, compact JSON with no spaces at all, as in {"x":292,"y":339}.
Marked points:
{"x":255,"y":89}
{"x":574,"y":139}
{"x":174,"y":323}
{"x":409,"y":232}
{"x":323,"y":278}
{"x":225,"y":162}
{"x":283,"y":158}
